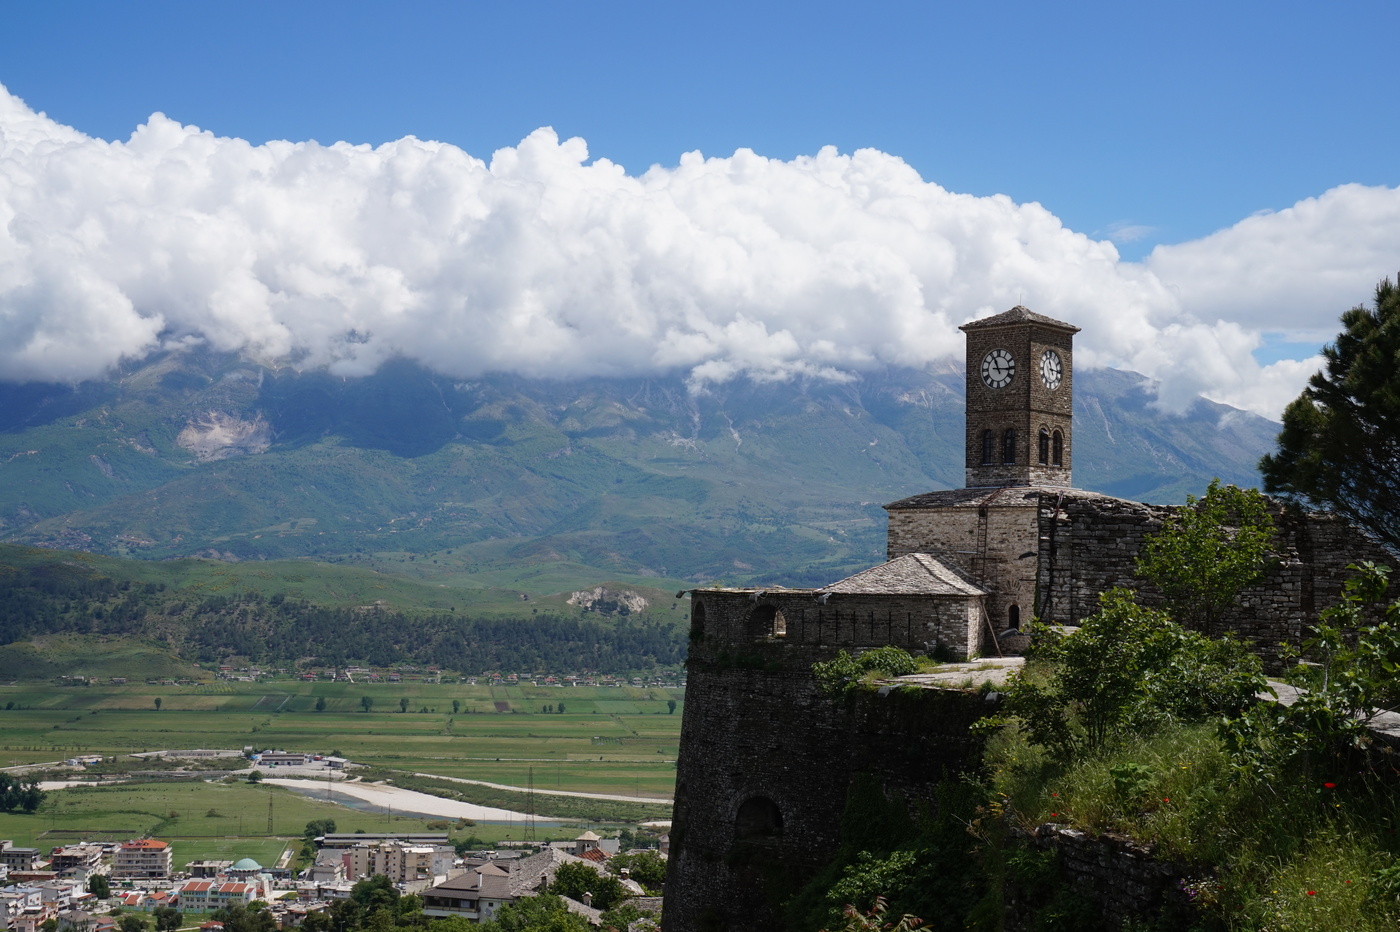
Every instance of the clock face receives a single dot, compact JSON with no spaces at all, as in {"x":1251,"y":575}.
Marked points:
{"x":1052,"y":370}
{"x":998,"y":368}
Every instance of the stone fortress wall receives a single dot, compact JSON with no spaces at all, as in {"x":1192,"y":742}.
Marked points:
{"x":766,"y":763}
{"x":1048,"y":554}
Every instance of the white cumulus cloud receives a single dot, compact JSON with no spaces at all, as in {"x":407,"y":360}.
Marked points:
{"x":544,"y":263}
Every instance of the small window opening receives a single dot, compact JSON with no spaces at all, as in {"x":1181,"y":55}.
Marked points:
{"x":989,"y":448}
{"x":1008,"y":447}
{"x":767,"y":621}
{"x":758,"y":819}
{"x":1058,"y":441}
{"x":1013,"y":617}
{"x":1044,"y":451}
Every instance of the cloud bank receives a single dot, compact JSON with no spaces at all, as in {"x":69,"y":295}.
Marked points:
{"x":542,"y":263}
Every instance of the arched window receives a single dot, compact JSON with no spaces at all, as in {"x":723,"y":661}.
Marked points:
{"x":767,"y":622}
{"x":1008,"y":447}
{"x":1058,"y":441}
{"x":1013,"y":617}
{"x":759,"y":819}
{"x":989,"y":448}
{"x":1044,"y":447}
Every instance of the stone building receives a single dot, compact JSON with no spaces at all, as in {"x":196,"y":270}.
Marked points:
{"x":766,"y":763}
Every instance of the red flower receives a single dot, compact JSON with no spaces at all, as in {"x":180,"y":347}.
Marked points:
{"x":1330,"y":786}
{"x":1312,"y":893}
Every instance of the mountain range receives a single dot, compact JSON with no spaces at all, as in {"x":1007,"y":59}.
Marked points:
{"x":539,"y":486}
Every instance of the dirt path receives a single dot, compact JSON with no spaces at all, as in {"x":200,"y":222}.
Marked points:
{"x":659,"y":800}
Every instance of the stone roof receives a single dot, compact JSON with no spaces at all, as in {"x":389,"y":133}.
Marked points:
{"x":911,"y":574}
{"x":526,"y":876}
{"x":1015,"y":496}
{"x":1018,"y":315}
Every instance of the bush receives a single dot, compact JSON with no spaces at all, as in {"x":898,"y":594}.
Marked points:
{"x":1128,"y":670}
{"x":840,"y":675}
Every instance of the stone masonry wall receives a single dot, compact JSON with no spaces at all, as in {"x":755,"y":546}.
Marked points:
{"x":1091,"y":544}
{"x":766,"y":764}
{"x":937,"y":625}
{"x":955,"y":535}
{"x":1122,"y":878}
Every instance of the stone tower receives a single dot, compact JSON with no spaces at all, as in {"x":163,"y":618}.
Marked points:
{"x":1020,"y":408}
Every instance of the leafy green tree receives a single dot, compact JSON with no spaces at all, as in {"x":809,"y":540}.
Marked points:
{"x":1341,"y":437}
{"x":167,"y":918}
{"x":623,"y":915}
{"x":19,"y":794}
{"x":366,"y":703}
{"x":543,"y":913}
{"x":319,"y":921}
{"x":254,"y":917}
{"x":320,"y":703}
{"x":130,"y":922}
{"x":575,"y":879}
{"x":456,"y":706}
{"x":648,"y":868}
{"x":1207,"y":552}
{"x":1350,"y":678}
{"x":158,"y":703}
{"x":670,"y":707}
{"x":318,"y":827}
{"x":99,"y":886}
{"x":1127,"y":670}
{"x":255,"y":776}
{"x":403,"y":704}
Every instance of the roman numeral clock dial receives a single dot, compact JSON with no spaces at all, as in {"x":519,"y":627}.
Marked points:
{"x":998,"y":368}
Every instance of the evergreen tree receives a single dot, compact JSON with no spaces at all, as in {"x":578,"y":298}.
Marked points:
{"x":1340,"y":441}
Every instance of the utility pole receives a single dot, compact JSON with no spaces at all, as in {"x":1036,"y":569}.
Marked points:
{"x":530,"y":807}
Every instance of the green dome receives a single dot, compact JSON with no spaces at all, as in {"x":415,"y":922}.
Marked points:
{"x":246,"y":864}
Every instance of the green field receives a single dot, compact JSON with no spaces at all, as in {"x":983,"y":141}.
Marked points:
{"x":618,"y":740}
{"x":210,"y":820}
{"x":609,"y":740}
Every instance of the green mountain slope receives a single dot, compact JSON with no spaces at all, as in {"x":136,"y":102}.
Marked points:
{"x":537,"y":487}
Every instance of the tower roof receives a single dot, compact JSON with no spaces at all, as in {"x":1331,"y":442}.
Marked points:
{"x":1018,"y":315}
{"x":911,"y":574}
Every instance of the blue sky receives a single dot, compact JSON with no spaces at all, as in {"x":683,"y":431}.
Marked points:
{"x":1144,"y":125}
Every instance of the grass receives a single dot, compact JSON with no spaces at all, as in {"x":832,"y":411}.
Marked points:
{"x":614,"y":740}
{"x":1299,"y":854}
{"x":610,"y":740}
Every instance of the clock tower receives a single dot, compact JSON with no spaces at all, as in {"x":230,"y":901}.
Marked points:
{"x":1020,"y":376}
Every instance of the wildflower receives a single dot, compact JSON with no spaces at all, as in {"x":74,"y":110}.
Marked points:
{"x":1330,"y":786}
{"x":1312,"y":893}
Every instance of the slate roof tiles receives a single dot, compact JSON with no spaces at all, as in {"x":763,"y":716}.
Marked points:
{"x":911,"y":574}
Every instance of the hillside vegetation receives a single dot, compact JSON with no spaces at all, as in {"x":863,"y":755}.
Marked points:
{"x":157,"y":619}
{"x":536,"y":486}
